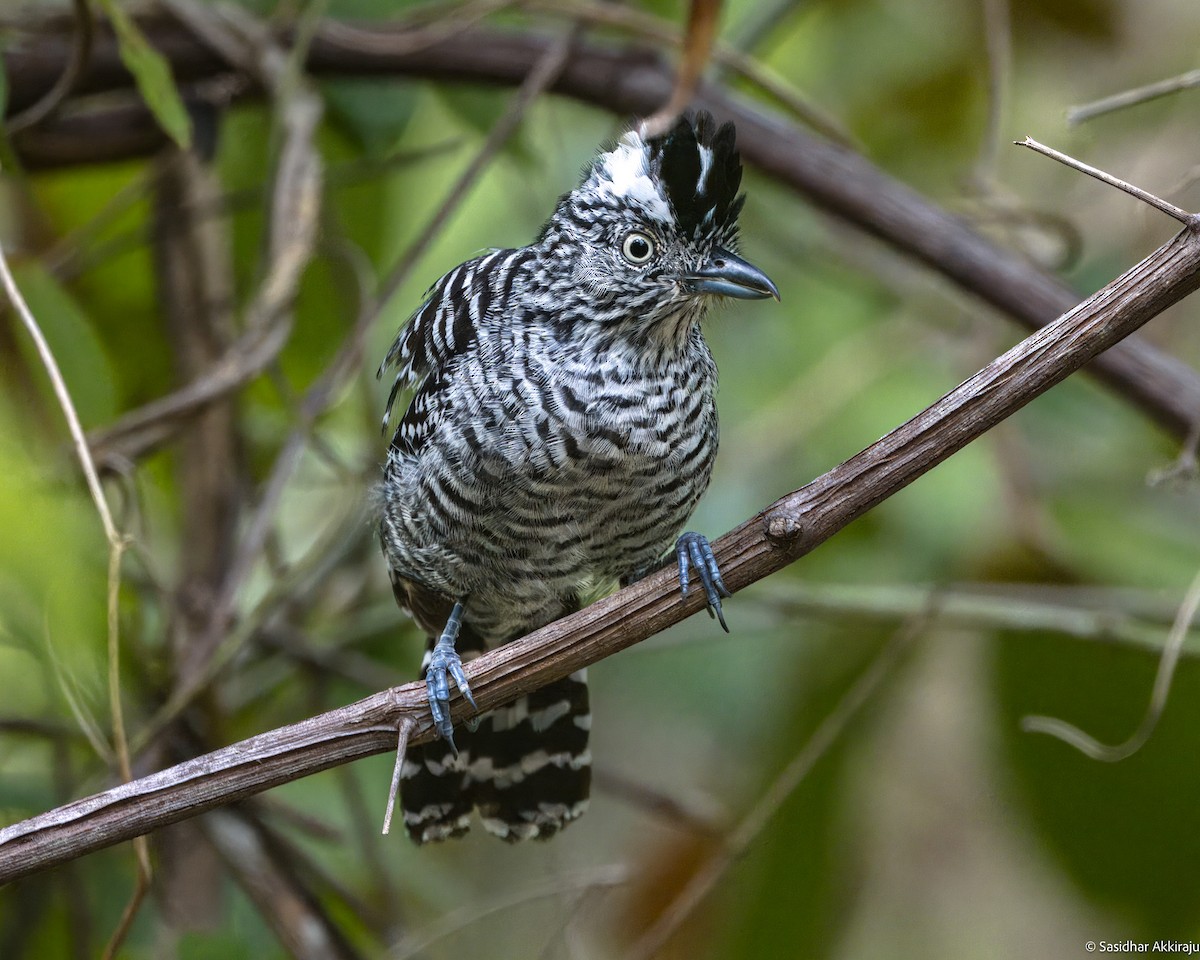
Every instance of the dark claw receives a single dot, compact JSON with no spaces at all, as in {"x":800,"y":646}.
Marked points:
{"x":444,"y":665}
{"x":692,"y":550}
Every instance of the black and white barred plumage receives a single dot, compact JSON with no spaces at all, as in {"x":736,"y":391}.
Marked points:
{"x":563,"y":428}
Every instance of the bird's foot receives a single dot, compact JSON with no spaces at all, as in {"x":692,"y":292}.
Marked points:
{"x":693,"y":551}
{"x":445,"y":664}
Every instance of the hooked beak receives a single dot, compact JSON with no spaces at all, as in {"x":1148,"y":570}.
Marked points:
{"x":730,"y":276}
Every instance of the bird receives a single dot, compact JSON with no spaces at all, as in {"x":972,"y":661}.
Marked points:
{"x":561,"y":429}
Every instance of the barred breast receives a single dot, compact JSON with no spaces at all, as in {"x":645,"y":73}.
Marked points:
{"x":563,"y":465}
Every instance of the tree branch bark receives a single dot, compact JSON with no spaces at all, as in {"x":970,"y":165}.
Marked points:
{"x":628,"y":81}
{"x":775,"y":537}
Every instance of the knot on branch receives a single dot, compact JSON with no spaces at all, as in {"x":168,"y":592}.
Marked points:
{"x":783,"y":529}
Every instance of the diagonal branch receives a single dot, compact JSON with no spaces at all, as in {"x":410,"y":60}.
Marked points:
{"x":764,"y":544}
{"x":628,"y":81}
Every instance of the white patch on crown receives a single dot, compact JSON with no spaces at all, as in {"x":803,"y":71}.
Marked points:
{"x":625,"y":170}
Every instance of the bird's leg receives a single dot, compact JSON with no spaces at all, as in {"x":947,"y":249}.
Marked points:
{"x":692,"y":550}
{"x":444,"y":663}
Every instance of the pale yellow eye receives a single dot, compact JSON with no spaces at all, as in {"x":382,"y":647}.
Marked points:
{"x":637,"y":248}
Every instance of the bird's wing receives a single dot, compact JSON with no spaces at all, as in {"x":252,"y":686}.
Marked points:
{"x":444,"y":326}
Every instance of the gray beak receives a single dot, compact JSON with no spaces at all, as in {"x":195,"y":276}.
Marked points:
{"x":729,"y":276}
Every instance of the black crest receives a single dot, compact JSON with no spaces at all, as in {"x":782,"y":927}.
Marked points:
{"x":677,"y":159}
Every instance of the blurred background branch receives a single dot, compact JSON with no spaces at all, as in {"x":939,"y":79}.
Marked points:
{"x":635,"y":82}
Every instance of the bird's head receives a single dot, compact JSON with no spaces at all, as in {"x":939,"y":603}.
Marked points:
{"x":648,"y":238}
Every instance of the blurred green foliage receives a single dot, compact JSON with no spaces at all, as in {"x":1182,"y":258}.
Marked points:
{"x":152,"y":73}
{"x":934,"y":828}
{"x":1121,"y":831}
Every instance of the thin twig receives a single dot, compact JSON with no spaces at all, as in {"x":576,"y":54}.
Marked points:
{"x":1187,"y":219}
{"x":342,"y":527}
{"x":81,"y":48}
{"x":1089,"y":745}
{"x":539,"y":80}
{"x":44,"y":729}
{"x":70,"y":258}
{"x":668,"y":810}
{"x":764,"y":21}
{"x":77,"y":705}
{"x":1129,"y":98}
{"x":403,"y":729}
{"x":318,"y":871}
{"x":1186,"y":464}
{"x":129,"y":914}
{"x":117,"y":543}
{"x":141,"y":847}
{"x":66,"y":404}
{"x":1109,"y":616}
{"x":646,"y":26}
{"x":427,"y":26}
{"x":263,"y":869}
{"x":60,"y":260}
{"x":697,"y":51}
{"x":382,"y":913}
{"x":294,"y":647}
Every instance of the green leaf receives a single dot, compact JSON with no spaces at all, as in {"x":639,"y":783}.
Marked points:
{"x":152,"y":74}
{"x":71,"y":333}
{"x":1122,"y":832}
{"x":374,"y":112}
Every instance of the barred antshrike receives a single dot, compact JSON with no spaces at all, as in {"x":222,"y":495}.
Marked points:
{"x":562,"y":429}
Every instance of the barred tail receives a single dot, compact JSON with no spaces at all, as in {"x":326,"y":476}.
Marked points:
{"x":527,"y":767}
{"x":531,"y":769}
